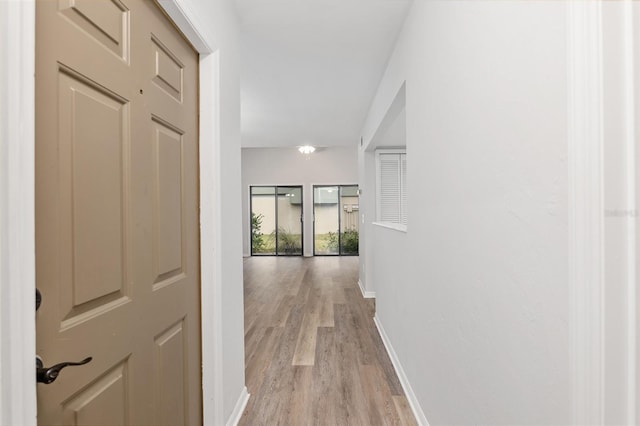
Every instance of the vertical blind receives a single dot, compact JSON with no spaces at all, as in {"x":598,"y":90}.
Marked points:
{"x":392,"y":182}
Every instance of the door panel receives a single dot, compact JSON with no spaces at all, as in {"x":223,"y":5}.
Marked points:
{"x":171,"y":376}
{"x":90,"y":163}
{"x":326,"y":220}
{"x":263,"y":220}
{"x":289,"y":220}
{"x":335,"y":220}
{"x":168,"y":70}
{"x":105,"y":21}
{"x":94,"y":135}
{"x":117,"y":243}
{"x":349,"y":220}
{"x":103,"y":402}
{"x":276,"y":220}
{"x":167,"y":227}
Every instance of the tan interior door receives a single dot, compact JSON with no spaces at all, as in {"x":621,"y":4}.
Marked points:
{"x":117,"y":243}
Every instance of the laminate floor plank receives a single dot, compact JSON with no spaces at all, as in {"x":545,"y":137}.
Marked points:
{"x":351,"y":398}
{"x":313,"y":355}
{"x":281,"y":313}
{"x":300,"y":406}
{"x":253,"y":342}
{"x":361,"y":329}
{"x":381,"y":406}
{"x":404,"y":410}
{"x":323,"y":386}
{"x":306,"y":345}
{"x":325,"y":316}
{"x":377,"y":347}
{"x":261,"y":359}
{"x":275,"y":390}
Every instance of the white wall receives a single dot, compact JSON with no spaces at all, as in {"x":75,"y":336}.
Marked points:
{"x":286,"y":166}
{"x":474,"y":296}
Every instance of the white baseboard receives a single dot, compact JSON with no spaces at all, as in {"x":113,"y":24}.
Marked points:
{"x":366,"y":294}
{"x":235,"y":416}
{"x":404,"y":381}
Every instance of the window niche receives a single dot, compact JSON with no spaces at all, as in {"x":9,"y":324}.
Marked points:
{"x":388,"y":150}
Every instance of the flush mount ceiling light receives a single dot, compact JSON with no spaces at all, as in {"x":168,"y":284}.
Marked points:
{"x":306,"y":149}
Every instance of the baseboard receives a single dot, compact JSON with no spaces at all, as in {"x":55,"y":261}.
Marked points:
{"x":235,"y":416}
{"x":404,"y":381}
{"x":366,"y":294}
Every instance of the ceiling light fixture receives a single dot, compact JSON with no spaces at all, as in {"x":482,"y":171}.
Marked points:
{"x":306,"y":149}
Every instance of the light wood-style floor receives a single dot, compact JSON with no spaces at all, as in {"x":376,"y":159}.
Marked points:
{"x":313,"y":355}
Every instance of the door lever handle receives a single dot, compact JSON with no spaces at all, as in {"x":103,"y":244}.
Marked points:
{"x":38,"y":299}
{"x":48,"y":375}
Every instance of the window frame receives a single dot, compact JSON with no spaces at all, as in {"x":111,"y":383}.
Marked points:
{"x":402,"y":189}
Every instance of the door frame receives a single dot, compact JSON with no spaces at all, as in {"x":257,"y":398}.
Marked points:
{"x":313,"y":215}
{"x":275,"y":187}
{"x":18,"y":403}
{"x":590,"y":284}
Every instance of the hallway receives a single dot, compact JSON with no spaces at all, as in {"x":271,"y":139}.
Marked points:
{"x":312,"y":351}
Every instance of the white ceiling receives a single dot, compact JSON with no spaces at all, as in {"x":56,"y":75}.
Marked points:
{"x":310,"y":68}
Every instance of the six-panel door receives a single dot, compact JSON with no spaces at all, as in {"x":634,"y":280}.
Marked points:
{"x":117,"y":246}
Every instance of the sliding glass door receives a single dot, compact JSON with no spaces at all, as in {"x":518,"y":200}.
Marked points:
{"x":335,"y":225}
{"x":289,"y":220}
{"x":276,"y":220}
{"x":326,"y":220}
{"x":349,"y":229}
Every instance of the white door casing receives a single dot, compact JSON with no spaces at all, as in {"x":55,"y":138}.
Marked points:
{"x":17,"y":243}
{"x":620,"y":81}
{"x":603,"y":84}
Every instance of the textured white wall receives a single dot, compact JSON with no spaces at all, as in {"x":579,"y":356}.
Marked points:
{"x":474,"y":296}
{"x":286,"y":166}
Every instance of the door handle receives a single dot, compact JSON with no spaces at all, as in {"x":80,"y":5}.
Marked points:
{"x":48,"y":375}
{"x":38,"y":299}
